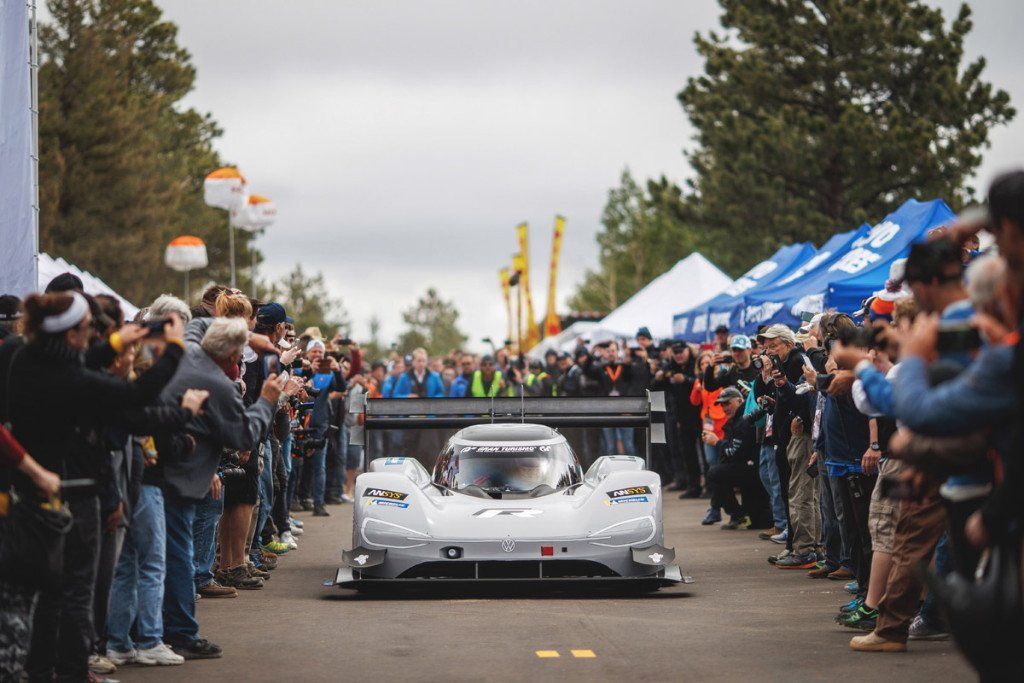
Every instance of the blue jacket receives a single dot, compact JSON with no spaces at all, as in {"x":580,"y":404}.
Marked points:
{"x":404,"y":385}
{"x":459,"y":387}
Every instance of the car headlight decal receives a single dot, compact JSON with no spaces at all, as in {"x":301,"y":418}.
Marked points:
{"x":626,"y":533}
{"x":377,"y":532}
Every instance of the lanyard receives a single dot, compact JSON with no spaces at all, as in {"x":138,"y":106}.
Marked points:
{"x":614,"y":377}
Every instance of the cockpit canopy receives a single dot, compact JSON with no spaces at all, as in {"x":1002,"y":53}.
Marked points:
{"x":507,"y":461}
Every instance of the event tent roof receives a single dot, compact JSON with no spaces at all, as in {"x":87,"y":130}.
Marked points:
{"x":690,"y":282}
{"x":869,"y":250}
{"x":50,"y":268}
{"x":564,"y":341}
{"x":695,"y":324}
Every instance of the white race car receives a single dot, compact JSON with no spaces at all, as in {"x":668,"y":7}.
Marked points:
{"x":508,"y":502}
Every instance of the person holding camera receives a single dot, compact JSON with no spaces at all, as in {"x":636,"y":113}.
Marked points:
{"x":729,"y":369}
{"x":736,"y":465}
{"x":675,"y":377}
{"x":325,"y":381}
{"x":55,"y":404}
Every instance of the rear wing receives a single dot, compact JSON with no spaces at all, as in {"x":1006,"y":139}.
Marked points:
{"x":640,"y":412}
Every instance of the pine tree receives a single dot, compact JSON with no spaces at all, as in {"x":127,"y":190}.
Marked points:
{"x":306,"y":299}
{"x":815,"y":115}
{"x":433,"y":324}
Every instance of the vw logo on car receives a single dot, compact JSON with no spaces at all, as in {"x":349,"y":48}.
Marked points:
{"x":508,"y":545}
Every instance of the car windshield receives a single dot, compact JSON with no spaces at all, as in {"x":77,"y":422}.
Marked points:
{"x":507,"y":471}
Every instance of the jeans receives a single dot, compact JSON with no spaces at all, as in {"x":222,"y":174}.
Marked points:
{"x":286,"y":452}
{"x":204,"y":538}
{"x":837,"y":552}
{"x":180,"y":624}
{"x":137,"y":594}
{"x":319,"y":464}
{"x":770,"y":478}
{"x":63,"y":631}
{"x":266,"y":489}
{"x":614,"y":435}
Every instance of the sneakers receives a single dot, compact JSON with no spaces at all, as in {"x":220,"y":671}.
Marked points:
{"x":772,"y":559}
{"x":259,"y":573}
{"x":333,"y":500}
{"x":820,"y":571}
{"x":768,"y":533}
{"x":215,"y":590}
{"x":853,"y":587}
{"x":295,"y":530}
{"x":98,"y":664}
{"x":864,"y":619}
{"x":320,"y":511}
{"x":873,"y":643}
{"x":781,"y":538}
{"x":296,"y":522}
{"x":277,"y":547}
{"x":159,"y":655}
{"x":794,"y":561}
{"x":346,"y":498}
{"x":922,"y":630}
{"x":288,"y":538}
{"x":712,"y":517}
{"x":268,"y":560}
{"x":737,"y":523}
{"x":120,"y":658}
{"x":851,"y":606}
{"x":841,"y":574}
{"x":200,"y":648}
{"x":238,"y":578}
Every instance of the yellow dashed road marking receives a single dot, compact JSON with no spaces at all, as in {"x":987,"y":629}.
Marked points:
{"x":583,"y":654}
{"x":547,"y":654}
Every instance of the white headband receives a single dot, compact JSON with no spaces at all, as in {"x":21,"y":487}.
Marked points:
{"x":315,"y":342}
{"x":62,"y":322}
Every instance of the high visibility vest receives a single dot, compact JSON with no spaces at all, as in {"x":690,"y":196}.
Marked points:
{"x":477,"y":387}
{"x":531,"y":378}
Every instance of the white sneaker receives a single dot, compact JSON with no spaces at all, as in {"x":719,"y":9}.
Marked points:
{"x":121,"y":658}
{"x":287,"y":537}
{"x":158,"y":655}
{"x":347,"y":498}
{"x":296,"y":531}
{"x":98,"y":664}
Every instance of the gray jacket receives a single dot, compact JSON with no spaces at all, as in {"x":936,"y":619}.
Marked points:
{"x":224,"y":423}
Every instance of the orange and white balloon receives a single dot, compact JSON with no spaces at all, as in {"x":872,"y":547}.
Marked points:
{"x":257,"y":212}
{"x":186,"y":253}
{"x":225,"y":188}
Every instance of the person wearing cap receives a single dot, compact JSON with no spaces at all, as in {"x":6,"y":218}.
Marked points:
{"x":721,"y":341}
{"x":551,"y":363}
{"x":538,"y":381}
{"x":736,"y":465}
{"x":676,"y":377}
{"x":728,"y":370}
{"x":10,"y":316}
{"x":324,"y":382}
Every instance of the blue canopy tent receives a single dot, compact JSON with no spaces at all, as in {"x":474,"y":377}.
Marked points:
{"x":693,"y":325}
{"x":847,"y":294}
{"x":868,"y":250}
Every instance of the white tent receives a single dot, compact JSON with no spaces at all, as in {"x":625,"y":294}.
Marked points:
{"x":564,"y":341}
{"x":689,"y":283}
{"x":50,"y":268}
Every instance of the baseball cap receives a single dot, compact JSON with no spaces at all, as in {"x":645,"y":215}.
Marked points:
{"x":777,"y":331}
{"x":722,"y":329}
{"x":10,"y":307}
{"x":728,"y":394}
{"x":644,"y":332}
{"x":740,"y":341}
{"x":272,"y":314}
{"x":678,"y":347}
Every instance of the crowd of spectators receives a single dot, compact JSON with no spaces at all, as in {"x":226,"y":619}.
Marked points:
{"x":186,"y":443}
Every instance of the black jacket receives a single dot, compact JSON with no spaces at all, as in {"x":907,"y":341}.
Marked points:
{"x":788,"y":404}
{"x":52,"y":399}
{"x":739,"y":444}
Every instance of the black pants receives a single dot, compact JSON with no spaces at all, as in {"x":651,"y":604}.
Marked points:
{"x":965,"y":556}
{"x":856,"y":500}
{"x":110,"y":550}
{"x":63,"y":630}
{"x":279,"y":513}
{"x":723,"y":480}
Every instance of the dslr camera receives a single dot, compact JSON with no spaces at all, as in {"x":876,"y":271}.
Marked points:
{"x":230,"y":466}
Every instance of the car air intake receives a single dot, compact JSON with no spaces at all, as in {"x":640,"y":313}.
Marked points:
{"x":512,"y":569}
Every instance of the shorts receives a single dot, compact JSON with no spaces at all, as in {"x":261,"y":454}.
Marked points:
{"x":353,"y":457}
{"x":883,"y":512}
{"x":244,"y":490}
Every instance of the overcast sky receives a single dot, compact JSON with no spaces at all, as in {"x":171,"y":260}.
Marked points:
{"x":403,"y":141}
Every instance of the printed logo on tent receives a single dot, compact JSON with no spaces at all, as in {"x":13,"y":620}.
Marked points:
{"x":700,"y":323}
{"x":679,"y":325}
{"x":861,"y":254}
{"x":751,"y":277}
{"x":812,"y":303}
{"x":720,"y":318}
{"x":761,"y":312}
{"x":811,"y":264}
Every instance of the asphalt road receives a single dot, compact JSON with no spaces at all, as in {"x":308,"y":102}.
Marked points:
{"x":741,"y":620}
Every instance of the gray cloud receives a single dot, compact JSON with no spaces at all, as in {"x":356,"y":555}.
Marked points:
{"x":403,"y":141}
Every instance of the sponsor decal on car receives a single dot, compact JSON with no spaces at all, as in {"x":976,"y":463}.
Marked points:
{"x":526,"y":513}
{"x":505,"y":449}
{"x":629,"y":491}
{"x":387,"y":503}
{"x":384,"y":493}
{"x":628,"y":499}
